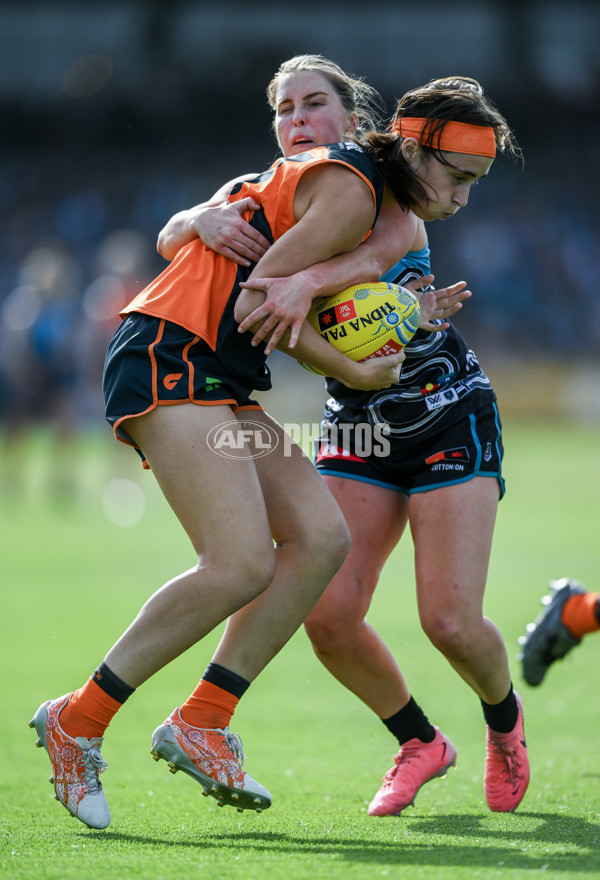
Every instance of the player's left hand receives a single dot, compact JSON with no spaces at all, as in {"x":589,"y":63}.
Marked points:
{"x":436,"y":304}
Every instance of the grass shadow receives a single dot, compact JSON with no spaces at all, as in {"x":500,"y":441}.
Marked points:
{"x":419,"y":842}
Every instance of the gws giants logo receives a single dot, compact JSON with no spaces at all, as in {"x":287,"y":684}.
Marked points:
{"x":247,"y":439}
{"x":171,"y":380}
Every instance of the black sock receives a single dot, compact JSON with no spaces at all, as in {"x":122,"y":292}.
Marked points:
{"x":226,"y":679}
{"x":503,"y":716}
{"x":111,"y":684}
{"x":410,"y":723}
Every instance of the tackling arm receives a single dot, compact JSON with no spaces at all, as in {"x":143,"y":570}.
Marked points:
{"x":288,"y":299}
{"x":325,"y":227}
{"x":220,"y":226}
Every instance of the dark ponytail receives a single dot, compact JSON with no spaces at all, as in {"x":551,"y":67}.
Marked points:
{"x":397,"y":174}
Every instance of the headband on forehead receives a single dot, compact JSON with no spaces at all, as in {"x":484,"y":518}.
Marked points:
{"x":455,"y":137}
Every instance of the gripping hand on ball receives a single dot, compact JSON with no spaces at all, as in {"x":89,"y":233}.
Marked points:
{"x":376,"y":373}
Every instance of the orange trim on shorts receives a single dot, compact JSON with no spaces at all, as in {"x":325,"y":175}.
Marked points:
{"x":249,"y":406}
{"x":228,"y":401}
{"x":159,"y":335}
{"x":184,"y":357}
{"x":154,"y":386}
{"x":225,"y":401}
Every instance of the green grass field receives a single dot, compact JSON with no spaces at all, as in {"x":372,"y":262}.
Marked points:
{"x":73,"y":578}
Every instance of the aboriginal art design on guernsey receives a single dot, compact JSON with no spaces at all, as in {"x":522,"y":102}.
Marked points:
{"x":428,"y":385}
{"x":385,"y":407}
{"x":438,"y":374}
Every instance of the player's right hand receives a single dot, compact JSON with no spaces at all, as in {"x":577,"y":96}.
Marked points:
{"x":223,"y":229}
{"x":377,"y":372}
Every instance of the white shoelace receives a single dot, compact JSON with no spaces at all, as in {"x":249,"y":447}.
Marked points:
{"x":234,"y":741}
{"x":94,"y":764}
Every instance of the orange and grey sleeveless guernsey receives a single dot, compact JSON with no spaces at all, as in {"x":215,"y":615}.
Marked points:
{"x":199,"y":288}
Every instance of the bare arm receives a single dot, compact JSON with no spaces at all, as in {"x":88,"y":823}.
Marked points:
{"x":334,"y":209}
{"x":289,"y":299}
{"x":312,"y":349}
{"x":375,"y":373}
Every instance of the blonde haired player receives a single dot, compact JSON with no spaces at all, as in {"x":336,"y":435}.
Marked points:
{"x":177,"y":369}
{"x":444,"y":473}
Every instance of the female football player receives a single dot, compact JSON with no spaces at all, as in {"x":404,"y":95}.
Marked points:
{"x":178,"y":380}
{"x":443,"y":475}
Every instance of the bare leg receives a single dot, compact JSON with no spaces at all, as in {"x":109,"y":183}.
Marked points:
{"x":341,"y":637}
{"x":220,"y":505}
{"x":452,"y":530}
{"x":312,"y":541}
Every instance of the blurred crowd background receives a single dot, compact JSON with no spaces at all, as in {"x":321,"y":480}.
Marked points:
{"x":117,"y":114}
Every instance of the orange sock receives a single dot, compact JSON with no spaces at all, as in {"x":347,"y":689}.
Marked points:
{"x":209,"y":706}
{"x":579,"y":614}
{"x":88,"y":712}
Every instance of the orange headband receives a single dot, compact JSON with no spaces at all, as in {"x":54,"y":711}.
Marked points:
{"x":455,"y":137}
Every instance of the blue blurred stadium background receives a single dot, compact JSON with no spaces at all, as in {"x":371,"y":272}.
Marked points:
{"x":117,"y":114}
